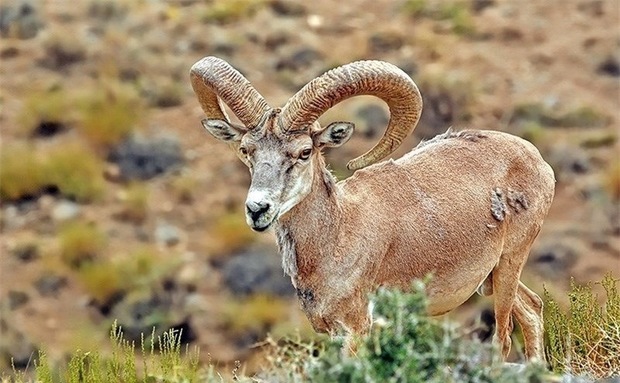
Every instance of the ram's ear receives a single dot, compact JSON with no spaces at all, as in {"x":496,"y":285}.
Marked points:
{"x":223,"y":130}
{"x":335,"y":134}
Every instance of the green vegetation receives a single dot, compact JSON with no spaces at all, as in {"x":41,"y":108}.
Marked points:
{"x":71,"y":168}
{"x":258,"y":313}
{"x":583,"y":116}
{"x":227,"y":11}
{"x":50,"y":106}
{"x":104,"y":278}
{"x":75,"y":171}
{"x":403,"y":345}
{"x":456,"y":13}
{"x":109,"y":113}
{"x":80,"y":243}
{"x":164,"y":363}
{"x":586,"y":339}
{"x":18,"y":160}
{"x":231,"y":233}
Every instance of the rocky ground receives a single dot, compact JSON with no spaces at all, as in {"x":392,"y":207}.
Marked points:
{"x":117,"y":205}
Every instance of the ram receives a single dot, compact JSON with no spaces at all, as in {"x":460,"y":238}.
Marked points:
{"x":464,"y":206}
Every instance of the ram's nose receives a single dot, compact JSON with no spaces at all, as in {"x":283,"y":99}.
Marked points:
{"x":255,"y":209}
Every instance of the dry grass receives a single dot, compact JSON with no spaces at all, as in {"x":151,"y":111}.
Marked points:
{"x":109,"y":113}
{"x":69,"y":167}
{"x":257,"y":313}
{"x":135,"y":203}
{"x":585,"y":340}
{"x":75,"y":170}
{"x":227,"y":11}
{"x":80,"y":243}
{"x":15,"y":161}
{"x":231,"y":233}
{"x":51,"y":106}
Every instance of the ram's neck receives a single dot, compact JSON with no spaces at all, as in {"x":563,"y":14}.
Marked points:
{"x":306,"y":234}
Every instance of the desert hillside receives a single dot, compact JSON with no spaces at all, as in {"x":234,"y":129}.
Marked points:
{"x":117,"y":205}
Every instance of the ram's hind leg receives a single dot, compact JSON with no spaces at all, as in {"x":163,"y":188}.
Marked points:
{"x":505,"y":285}
{"x":528,"y":312}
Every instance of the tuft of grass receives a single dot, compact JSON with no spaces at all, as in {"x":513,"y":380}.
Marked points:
{"x":51,"y":107}
{"x":456,"y":13}
{"x":80,"y":243}
{"x":460,"y":18}
{"x":227,"y":11}
{"x":71,"y":168}
{"x":161,"y":360}
{"x":16,"y":161}
{"x":75,"y":171}
{"x":103,"y":280}
{"x":231,"y":233}
{"x":109,"y":113}
{"x":257,"y":313}
{"x":585,"y":340}
{"x":135,"y":203}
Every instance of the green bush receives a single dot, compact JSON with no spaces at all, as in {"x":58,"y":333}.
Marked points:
{"x":585,"y":340}
{"x":404,"y":345}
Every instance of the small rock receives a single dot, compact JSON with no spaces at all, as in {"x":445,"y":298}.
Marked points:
{"x":46,"y":129}
{"x":256,"y":271}
{"x":167,"y":234}
{"x":17,"y":299}
{"x":609,"y":67}
{"x":140,"y":158}
{"x":567,"y":161}
{"x":50,"y":285}
{"x":21,"y":21}
{"x":64,"y":211}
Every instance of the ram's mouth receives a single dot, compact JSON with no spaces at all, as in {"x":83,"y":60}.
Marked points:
{"x":262,"y":224}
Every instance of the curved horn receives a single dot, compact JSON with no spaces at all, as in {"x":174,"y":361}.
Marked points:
{"x":214,"y":81}
{"x":375,"y":78}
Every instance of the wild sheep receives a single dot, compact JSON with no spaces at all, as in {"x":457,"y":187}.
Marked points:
{"x":464,"y":206}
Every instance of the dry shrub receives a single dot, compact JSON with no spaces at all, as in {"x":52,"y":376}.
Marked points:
{"x":612,"y":180}
{"x":585,"y":340}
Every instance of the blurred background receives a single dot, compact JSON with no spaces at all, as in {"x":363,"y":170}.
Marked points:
{"x":116,"y":205}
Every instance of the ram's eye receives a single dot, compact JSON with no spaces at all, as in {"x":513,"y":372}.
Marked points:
{"x":305,"y":154}
{"x":243,"y":151}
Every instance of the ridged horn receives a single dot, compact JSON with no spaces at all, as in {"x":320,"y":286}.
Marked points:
{"x":214,"y":81}
{"x":375,"y":78}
